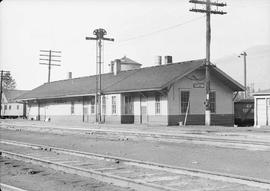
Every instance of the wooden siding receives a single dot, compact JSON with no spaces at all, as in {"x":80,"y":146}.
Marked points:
{"x":224,"y":102}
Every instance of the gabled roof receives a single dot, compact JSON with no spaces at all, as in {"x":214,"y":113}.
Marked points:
{"x":143,"y":79}
{"x":263,"y":92}
{"x":11,"y":95}
{"x":226,"y":79}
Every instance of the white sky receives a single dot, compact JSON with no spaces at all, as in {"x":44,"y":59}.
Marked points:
{"x":27,"y":26}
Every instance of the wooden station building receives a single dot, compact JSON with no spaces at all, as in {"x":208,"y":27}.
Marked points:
{"x":165,"y":94}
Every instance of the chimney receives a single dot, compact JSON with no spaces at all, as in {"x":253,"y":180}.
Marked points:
{"x":116,"y":66}
{"x":69,"y":75}
{"x":158,"y":60}
{"x":167,"y":59}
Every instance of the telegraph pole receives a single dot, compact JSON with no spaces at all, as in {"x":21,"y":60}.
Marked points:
{"x":244,"y":54}
{"x":1,"y":89}
{"x":49,"y":56}
{"x":208,"y":10}
{"x":99,"y":33}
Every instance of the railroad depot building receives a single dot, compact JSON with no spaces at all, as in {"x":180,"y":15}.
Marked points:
{"x":262,"y":108}
{"x":160,"y":95}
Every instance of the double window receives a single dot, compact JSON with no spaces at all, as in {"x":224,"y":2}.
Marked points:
{"x":157,"y":104}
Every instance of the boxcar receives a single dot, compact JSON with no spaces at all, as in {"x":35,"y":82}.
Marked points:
{"x":244,"y":112}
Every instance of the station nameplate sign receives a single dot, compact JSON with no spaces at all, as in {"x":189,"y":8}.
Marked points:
{"x":198,"y":85}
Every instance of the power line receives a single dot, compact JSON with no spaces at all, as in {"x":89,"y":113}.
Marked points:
{"x":47,"y":55}
{"x":160,"y":30}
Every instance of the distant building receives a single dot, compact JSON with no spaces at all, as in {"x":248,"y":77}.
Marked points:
{"x":166,"y":94}
{"x":262,"y":108}
{"x":10,"y":107}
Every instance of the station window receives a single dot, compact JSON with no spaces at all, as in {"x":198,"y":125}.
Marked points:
{"x":72,"y":108}
{"x":157,"y":104}
{"x":103,"y":105}
{"x":5,"y":108}
{"x":212,"y":100}
{"x":113,"y":104}
{"x":9,"y":107}
{"x":184,"y":101}
{"x":18,"y":107}
{"x":92,"y":107}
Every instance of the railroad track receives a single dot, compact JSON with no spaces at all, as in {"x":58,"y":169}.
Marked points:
{"x":175,"y":138}
{"x":135,"y":174}
{"x":6,"y":187}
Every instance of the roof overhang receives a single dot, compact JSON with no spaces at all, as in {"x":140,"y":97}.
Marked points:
{"x":233,"y":84}
{"x":55,"y":97}
{"x":261,"y":94}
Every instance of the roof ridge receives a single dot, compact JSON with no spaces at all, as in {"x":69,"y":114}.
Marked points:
{"x":163,"y":65}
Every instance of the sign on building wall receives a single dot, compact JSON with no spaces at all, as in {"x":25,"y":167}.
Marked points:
{"x":198,"y":84}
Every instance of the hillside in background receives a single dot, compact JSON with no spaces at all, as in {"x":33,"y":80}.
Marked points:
{"x":258,"y":66}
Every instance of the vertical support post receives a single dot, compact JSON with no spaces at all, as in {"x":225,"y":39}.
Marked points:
{"x":208,"y":12}
{"x":49,"y":67}
{"x":245,"y":74}
{"x":99,"y":88}
{"x":100,"y":33}
{"x":97,"y":79}
{"x":38,"y":117}
{"x":207,"y":80}
{"x":1,"y":91}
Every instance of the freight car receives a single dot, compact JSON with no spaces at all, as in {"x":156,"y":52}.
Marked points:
{"x":244,"y":112}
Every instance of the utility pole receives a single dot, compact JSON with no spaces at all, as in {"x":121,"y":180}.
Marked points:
{"x":244,"y":54}
{"x":49,"y":56}
{"x":208,"y":10}
{"x":1,"y":89}
{"x":99,"y":33}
